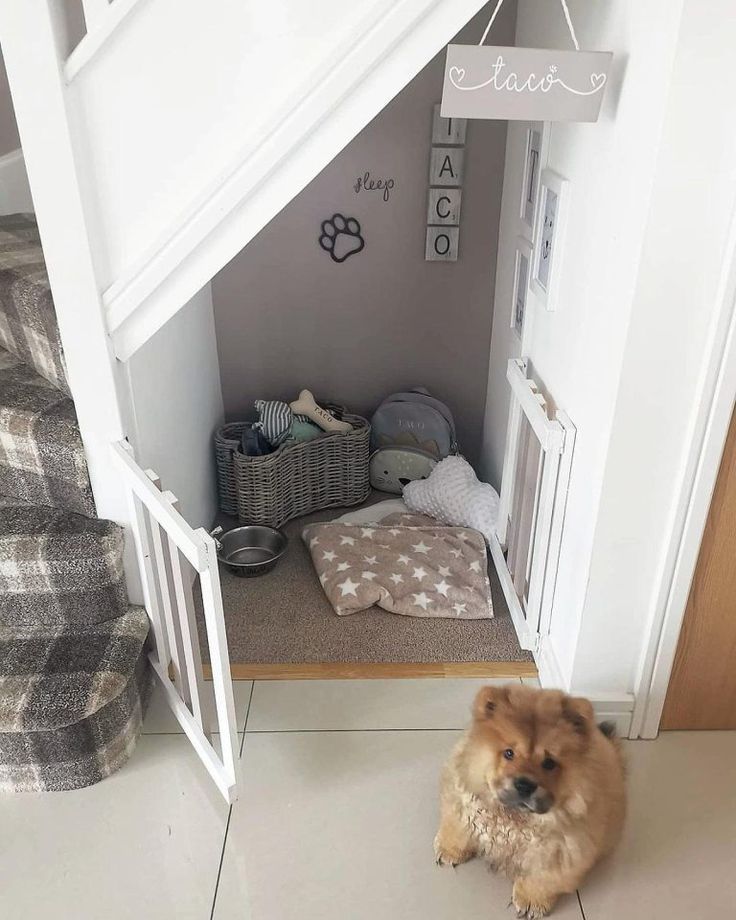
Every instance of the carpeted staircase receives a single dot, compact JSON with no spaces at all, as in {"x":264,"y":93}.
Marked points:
{"x":74,"y":676}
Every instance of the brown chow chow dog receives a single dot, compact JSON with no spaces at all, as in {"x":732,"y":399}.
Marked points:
{"x":535,"y":787}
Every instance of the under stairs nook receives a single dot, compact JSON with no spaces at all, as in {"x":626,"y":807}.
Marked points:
{"x":133,"y":234}
{"x":366,"y":371}
{"x":74,"y":672}
{"x":425,"y":332}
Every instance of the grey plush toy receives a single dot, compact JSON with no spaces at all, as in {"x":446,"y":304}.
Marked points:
{"x":391,"y":468}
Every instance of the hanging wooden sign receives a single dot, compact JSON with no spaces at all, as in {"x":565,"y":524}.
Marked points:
{"x":524,"y":84}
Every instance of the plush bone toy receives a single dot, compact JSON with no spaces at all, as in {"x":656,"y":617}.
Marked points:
{"x":306,"y":405}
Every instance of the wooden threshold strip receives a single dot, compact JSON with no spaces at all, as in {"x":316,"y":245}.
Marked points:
{"x":349,"y":670}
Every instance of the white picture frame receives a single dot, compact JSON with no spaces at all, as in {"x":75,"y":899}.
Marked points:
{"x":549,"y":237}
{"x":523,"y":261}
{"x":530,"y":178}
{"x":535,"y":152}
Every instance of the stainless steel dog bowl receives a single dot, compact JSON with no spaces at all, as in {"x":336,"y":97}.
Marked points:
{"x":251,"y":550}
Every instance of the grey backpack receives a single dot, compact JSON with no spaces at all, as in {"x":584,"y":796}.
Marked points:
{"x":414,"y":419}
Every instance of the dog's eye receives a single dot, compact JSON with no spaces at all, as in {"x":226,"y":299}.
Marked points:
{"x":508,"y":754}
{"x":549,"y":763}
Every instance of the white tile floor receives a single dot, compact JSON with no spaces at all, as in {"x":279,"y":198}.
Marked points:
{"x":336,"y":820}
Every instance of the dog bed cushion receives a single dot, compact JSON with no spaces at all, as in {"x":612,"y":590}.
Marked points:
{"x":374,"y":514}
{"x":407,"y":564}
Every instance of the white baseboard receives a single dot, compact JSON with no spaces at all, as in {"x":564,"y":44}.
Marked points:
{"x":613,"y":708}
{"x":15,"y":193}
{"x":609,"y":707}
{"x":548,"y":667}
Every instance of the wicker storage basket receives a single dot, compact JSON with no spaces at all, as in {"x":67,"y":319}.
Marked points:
{"x":296,"y":479}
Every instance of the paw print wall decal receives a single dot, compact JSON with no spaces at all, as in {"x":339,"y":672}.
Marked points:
{"x":341,"y":237}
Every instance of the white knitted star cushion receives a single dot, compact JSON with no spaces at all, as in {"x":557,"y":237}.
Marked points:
{"x":452,"y":494}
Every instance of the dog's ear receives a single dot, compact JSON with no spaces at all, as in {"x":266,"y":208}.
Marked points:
{"x":487,"y":701}
{"x":579,"y":713}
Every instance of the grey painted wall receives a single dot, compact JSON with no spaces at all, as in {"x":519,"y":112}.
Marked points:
{"x":288,"y":317}
{"x":9,"y":139}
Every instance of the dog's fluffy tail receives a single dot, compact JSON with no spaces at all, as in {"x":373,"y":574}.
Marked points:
{"x":608,"y":729}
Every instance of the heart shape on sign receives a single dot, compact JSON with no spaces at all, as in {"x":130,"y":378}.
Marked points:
{"x":597,"y":80}
{"x":457,"y":75}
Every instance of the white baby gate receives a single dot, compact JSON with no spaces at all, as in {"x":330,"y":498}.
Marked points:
{"x":167,"y":546}
{"x":536,"y":475}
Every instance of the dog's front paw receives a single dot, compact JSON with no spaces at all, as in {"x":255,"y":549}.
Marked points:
{"x":448,"y":855}
{"x":530,"y":904}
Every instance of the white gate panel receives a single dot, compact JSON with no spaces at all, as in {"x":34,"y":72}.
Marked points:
{"x":536,"y":473}
{"x":166,"y":544}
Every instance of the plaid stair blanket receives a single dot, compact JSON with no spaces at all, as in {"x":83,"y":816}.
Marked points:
{"x":58,"y":567}
{"x":41,"y":455}
{"x":52,"y":677}
{"x":28,"y":326}
{"x":73,"y":756}
{"x":71,"y":702}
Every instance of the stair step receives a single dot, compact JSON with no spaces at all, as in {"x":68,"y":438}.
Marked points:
{"x":42,"y":460}
{"x":28,"y":325}
{"x":101,"y":679}
{"x":51,"y":678}
{"x":57,"y":567}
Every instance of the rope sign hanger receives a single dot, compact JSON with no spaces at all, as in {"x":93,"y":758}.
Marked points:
{"x":565,"y":10}
{"x":526,"y":84}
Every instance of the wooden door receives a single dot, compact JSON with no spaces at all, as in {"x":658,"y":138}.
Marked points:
{"x":702,"y":689}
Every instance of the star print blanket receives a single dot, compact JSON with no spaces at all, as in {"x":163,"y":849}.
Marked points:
{"x":408,"y":564}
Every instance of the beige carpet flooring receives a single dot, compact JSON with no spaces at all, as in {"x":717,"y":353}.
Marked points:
{"x":283,"y":617}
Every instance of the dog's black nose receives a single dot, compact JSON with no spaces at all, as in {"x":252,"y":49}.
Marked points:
{"x":404,"y":481}
{"x":524,"y":786}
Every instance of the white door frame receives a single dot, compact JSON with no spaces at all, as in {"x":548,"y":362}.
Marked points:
{"x":717,"y":389}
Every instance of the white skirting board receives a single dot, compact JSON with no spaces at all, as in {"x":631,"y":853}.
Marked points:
{"x":612,"y":710}
{"x":15,"y":193}
{"x":609,"y":707}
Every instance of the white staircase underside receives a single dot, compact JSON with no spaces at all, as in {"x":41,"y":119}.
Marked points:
{"x":231,"y":110}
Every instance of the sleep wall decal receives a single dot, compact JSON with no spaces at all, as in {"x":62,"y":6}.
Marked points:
{"x":366,"y":183}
